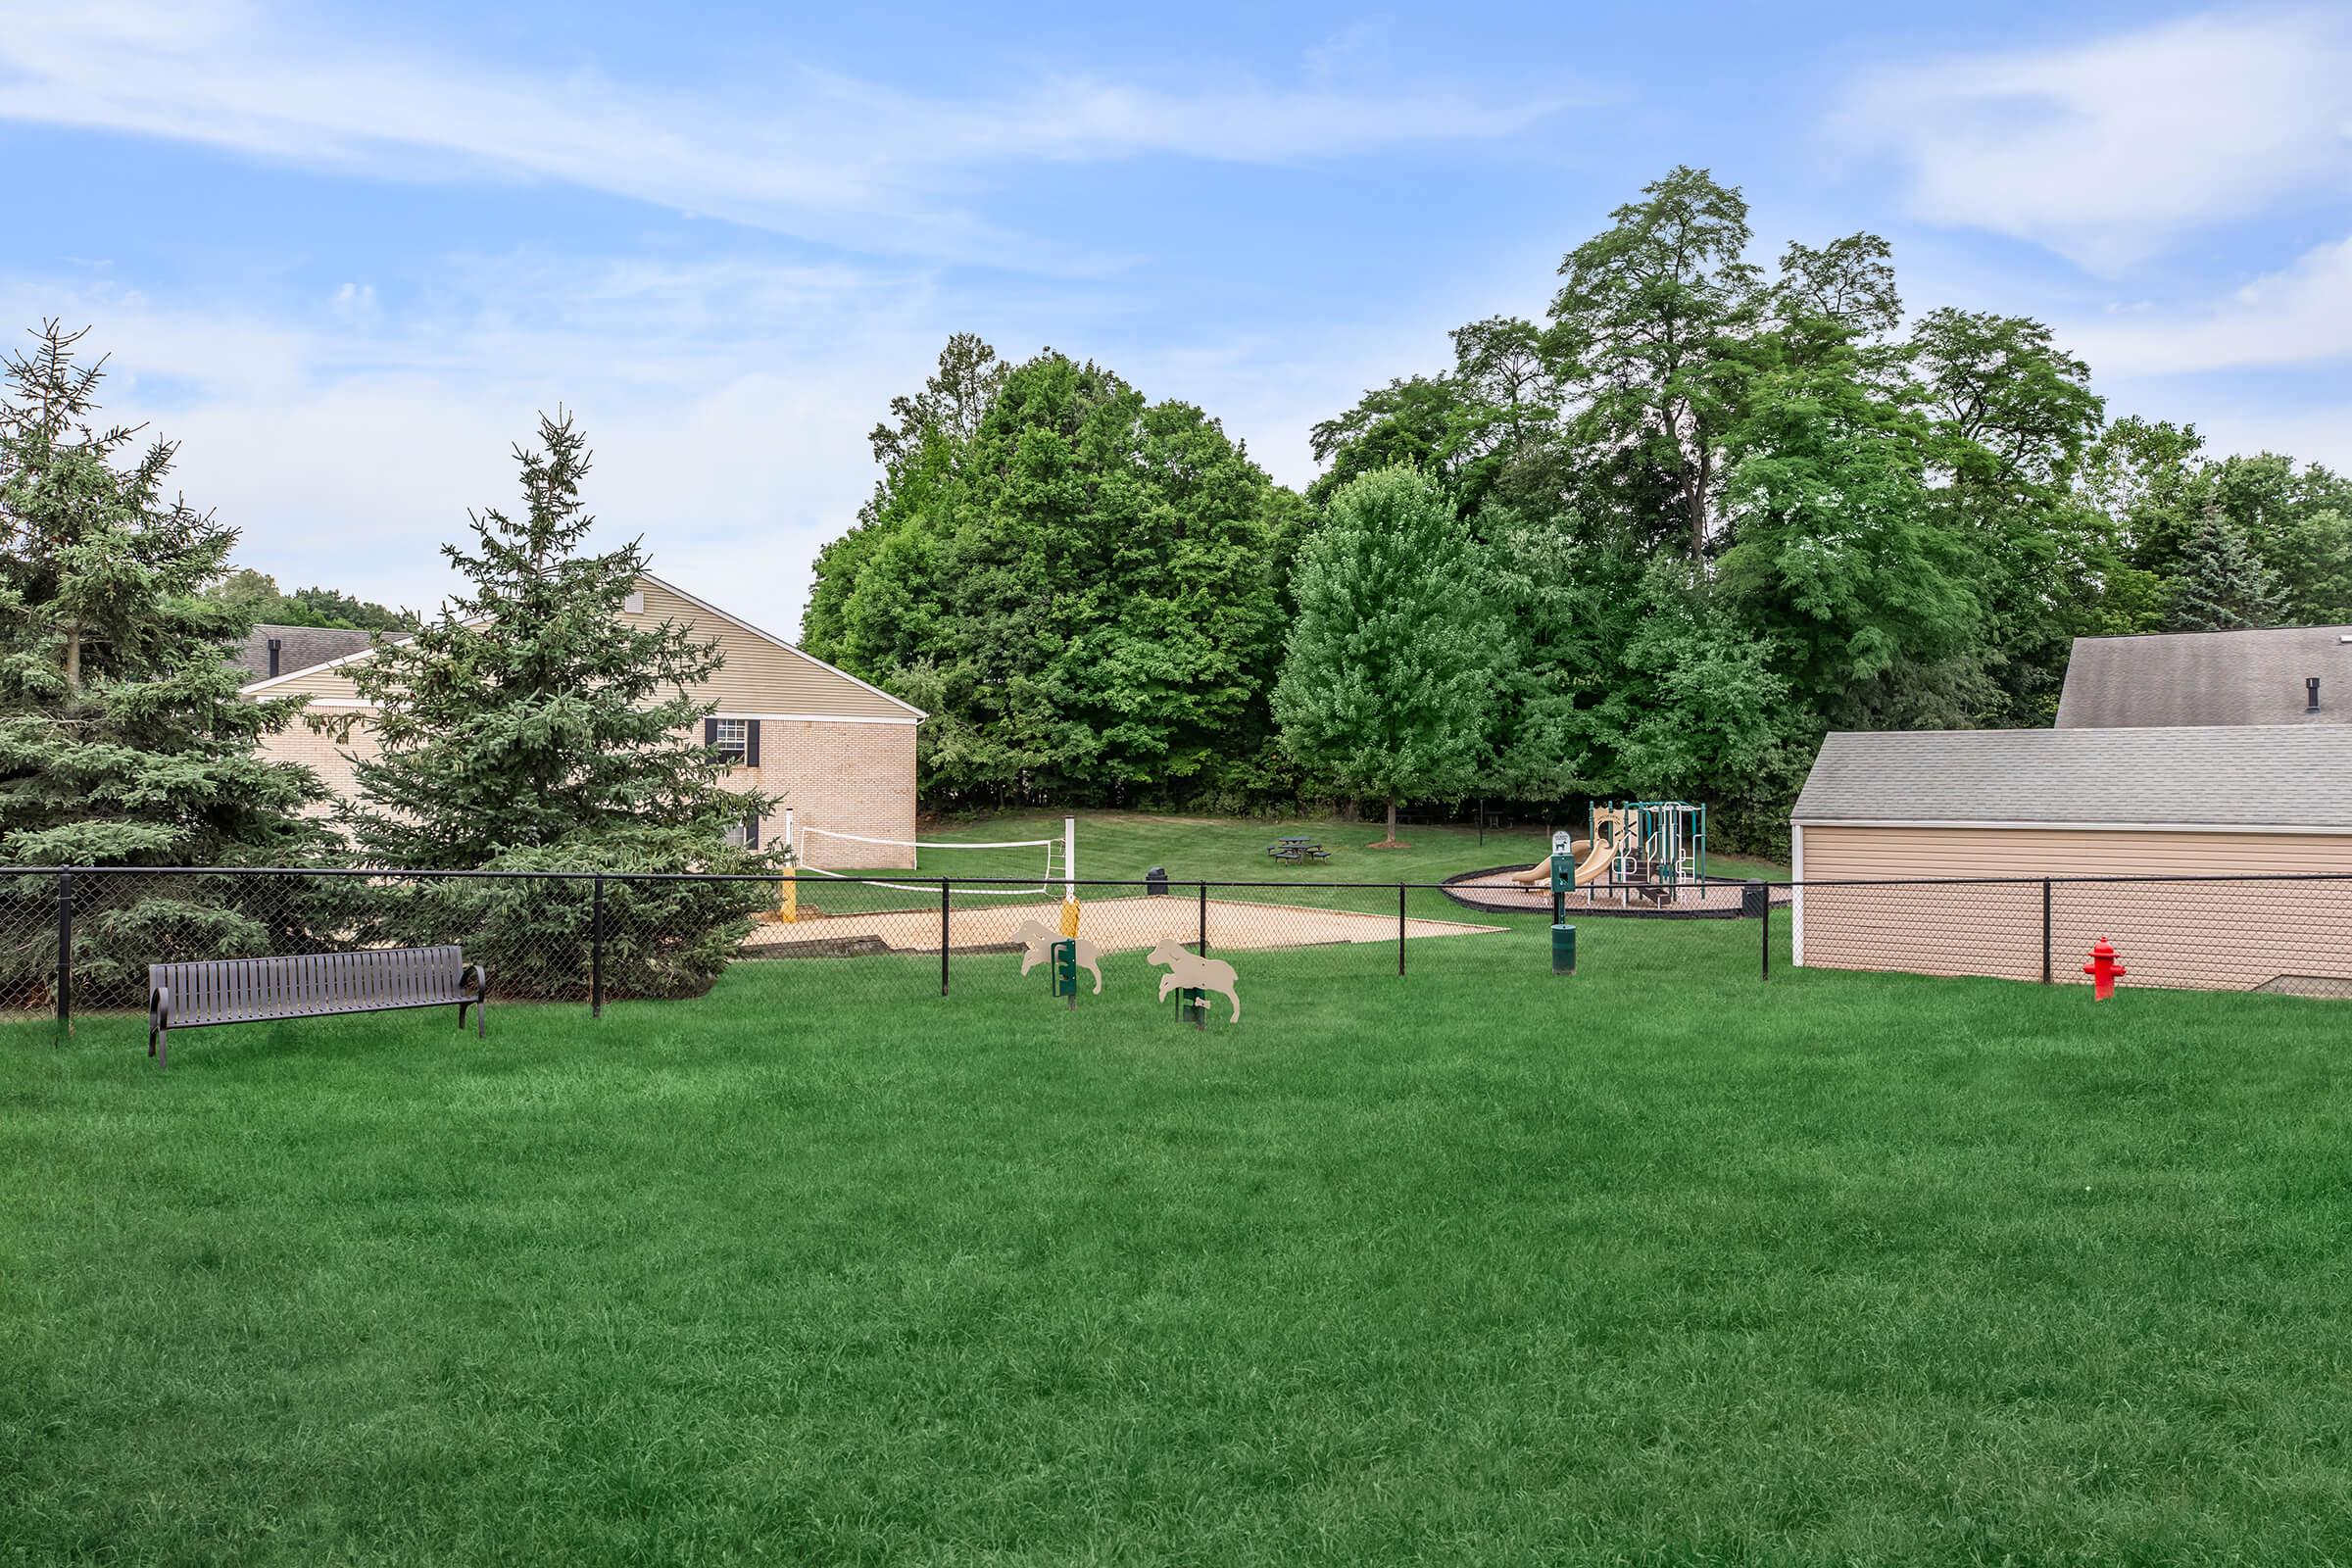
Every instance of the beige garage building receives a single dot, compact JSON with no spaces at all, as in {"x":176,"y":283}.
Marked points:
{"x":840,"y":753}
{"x":2010,"y":808}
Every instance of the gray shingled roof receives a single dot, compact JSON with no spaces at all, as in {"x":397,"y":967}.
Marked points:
{"x":2207,"y":677}
{"x":299,"y":648}
{"x":2280,"y":776}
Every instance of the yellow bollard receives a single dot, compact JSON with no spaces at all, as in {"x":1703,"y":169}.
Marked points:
{"x":788,"y":906}
{"x":1069,"y":916}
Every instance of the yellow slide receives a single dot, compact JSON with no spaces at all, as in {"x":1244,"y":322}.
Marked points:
{"x":1594,"y":855}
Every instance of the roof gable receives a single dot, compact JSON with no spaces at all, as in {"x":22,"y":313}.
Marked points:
{"x":2203,"y":679}
{"x":764,"y":675}
{"x":298,"y":647}
{"x":2289,"y":776}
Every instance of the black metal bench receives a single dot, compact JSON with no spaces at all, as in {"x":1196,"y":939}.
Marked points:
{"x":219,"y":991}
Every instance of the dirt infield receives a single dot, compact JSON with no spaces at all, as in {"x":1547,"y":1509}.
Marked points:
{"x":1719,"y":899}
{"x":1114,"y":925}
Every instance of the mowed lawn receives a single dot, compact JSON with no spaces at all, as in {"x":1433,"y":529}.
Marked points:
{"x":1122,"y":846}
{"x":1656,"y":1265}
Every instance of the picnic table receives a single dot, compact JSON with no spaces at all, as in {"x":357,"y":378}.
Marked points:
{"x":1295,"y":849}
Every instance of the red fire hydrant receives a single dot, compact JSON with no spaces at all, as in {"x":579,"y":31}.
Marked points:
{"x":2103,"y":970}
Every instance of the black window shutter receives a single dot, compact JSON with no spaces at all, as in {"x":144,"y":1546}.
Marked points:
{"x":751,"y":743}
{"x":709,"y":732}
{"x":750,"y":831}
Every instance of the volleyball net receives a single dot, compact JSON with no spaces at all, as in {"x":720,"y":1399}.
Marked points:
{"x":993,"y":868}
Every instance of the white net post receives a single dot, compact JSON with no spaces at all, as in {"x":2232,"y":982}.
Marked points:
{"x":788,"y":897}
{"x":1069,"y":876}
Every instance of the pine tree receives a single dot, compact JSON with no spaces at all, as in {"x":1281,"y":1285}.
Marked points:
{"x":528,"y":728}
{"x":1393,"y":659}
{"x":528,"y":716}
{"x":2222,"y":584}
{"x":122,"y":739}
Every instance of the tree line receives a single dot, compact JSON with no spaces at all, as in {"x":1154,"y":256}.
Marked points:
{"x":1697,"y":515}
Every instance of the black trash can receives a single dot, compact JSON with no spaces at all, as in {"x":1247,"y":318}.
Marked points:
{"x":1155,"y":882}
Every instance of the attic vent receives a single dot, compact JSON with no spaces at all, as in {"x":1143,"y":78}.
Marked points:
{"x":635,"y":604}
{"x":274,"y":651}
{"x":2311,"y":694}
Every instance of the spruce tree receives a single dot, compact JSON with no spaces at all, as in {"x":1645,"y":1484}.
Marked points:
{"x":122,"y":739}
{"x":528,"y":714}
{"x":1393,"y":659}
{"x":528,"y":728}
{"x":2222,"y":584}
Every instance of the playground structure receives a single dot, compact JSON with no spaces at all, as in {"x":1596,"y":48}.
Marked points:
{"x":1654,"y":851}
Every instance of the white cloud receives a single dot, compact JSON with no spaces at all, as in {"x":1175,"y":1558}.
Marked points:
{"x":347,"y":453}
{"x":2111,"y":150}
{"x":820,"y":155}
{"x":2236,"y":422}
{"x":727,"y":404}
{"x":2301,"y":315}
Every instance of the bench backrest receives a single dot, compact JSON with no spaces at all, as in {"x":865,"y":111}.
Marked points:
{"x":233,"y":989}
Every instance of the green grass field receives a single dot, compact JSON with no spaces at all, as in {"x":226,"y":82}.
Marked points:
{"x":1121,"y":846}
{"x":1654,"y":1264}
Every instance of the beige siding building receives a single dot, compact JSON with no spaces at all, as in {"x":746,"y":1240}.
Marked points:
{"x":2188,"y":802}
{"x":838,"y":751}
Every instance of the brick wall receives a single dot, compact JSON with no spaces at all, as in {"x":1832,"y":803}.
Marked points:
{"x":852,"y":778}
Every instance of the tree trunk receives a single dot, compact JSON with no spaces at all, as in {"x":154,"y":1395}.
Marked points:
{"x":1390,"y":842}
{"x":74,"y":658}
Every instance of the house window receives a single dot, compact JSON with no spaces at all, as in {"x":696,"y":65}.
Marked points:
{"x":734,"y":737}
{"x":744,"y":835}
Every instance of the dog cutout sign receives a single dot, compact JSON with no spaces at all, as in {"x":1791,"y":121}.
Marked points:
{"x":1036,"y":947}
{"x":1193,"y":972}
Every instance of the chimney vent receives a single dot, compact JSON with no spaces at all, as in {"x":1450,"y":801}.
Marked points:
{"x":274,"y":645}
{"x":2311,"y":694}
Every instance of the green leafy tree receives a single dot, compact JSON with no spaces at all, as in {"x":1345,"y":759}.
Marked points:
{"x":123,"y":740}
{"x":1647,"y":333}
{"x":1393,"y":659}
{"x":1082,"y":582}
{"x":2010,"y":418}
{"x":324,"y":606}
{"x":1835,"y":559}
{"x":2297,"y":520}
{"x":254,"y":594}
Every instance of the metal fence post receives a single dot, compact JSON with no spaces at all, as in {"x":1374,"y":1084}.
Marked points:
{"x":943,"y":936}
{"x":1764,"y":911}
{"x":2046,"y":930}
{"x":1204,"y":919}
{"x":1401,"y":928}
{"x":65,"y":954}
{"x":596,"y":949}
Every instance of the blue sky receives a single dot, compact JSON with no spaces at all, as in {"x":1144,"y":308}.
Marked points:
{"x":344,"y":255}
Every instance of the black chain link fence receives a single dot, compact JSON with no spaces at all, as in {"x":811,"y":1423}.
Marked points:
{"x":82,"y":941}
{"x":2281,"y":935}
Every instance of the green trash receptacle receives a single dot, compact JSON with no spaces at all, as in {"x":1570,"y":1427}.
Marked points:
{"x":1563,"y":950}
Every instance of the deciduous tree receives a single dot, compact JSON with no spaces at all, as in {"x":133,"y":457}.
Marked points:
{"x":1393,"y":656}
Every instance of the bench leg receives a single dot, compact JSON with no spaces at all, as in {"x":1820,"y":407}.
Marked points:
{"x":159,"y":1048}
